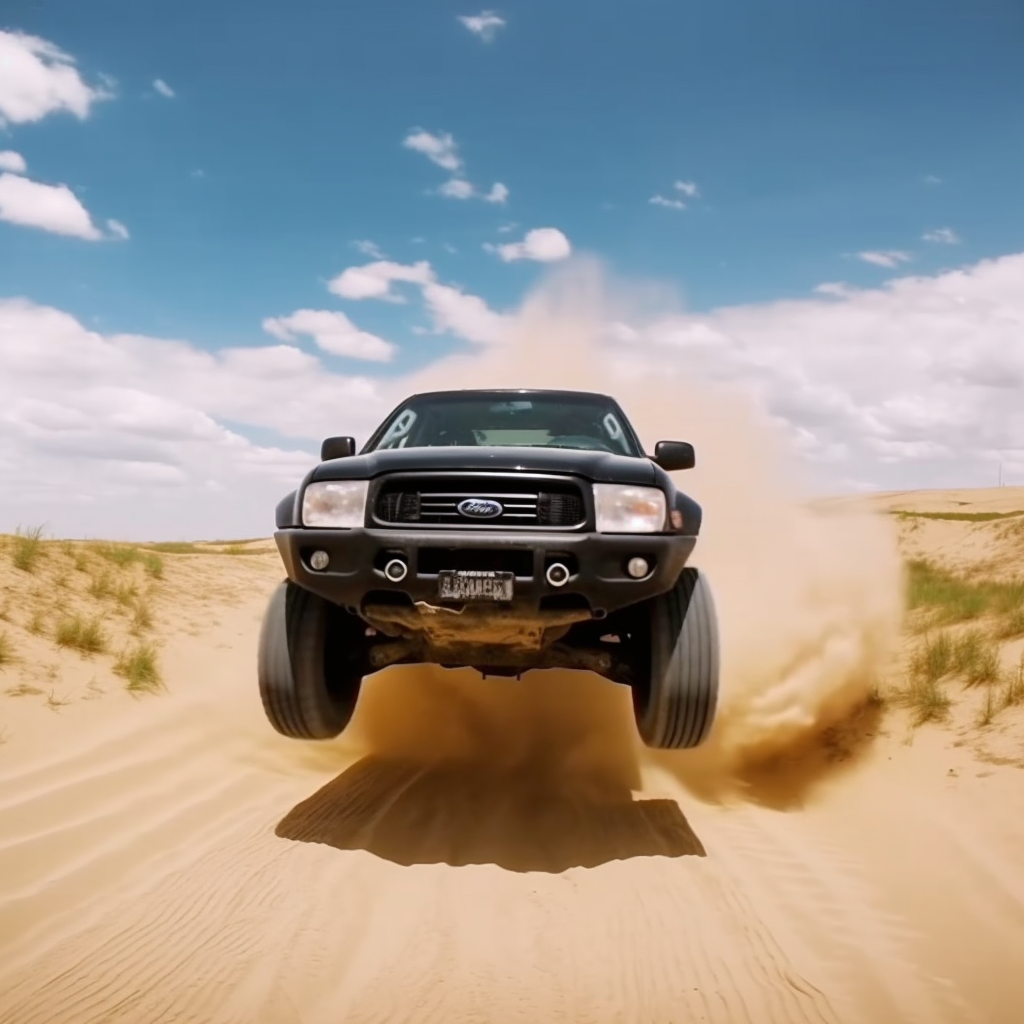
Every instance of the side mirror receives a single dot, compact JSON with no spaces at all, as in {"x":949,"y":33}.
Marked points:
{"x":337,"y":448}
{"x":672,"y":455}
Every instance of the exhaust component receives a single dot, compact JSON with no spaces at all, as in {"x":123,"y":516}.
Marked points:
{"x":557,"y":574}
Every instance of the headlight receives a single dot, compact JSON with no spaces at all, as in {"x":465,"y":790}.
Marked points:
{"x":339,"y":504}
{"x":629,"y":509}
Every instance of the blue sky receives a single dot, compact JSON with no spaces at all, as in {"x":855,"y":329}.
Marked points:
{"x":808,"y":127}
{"x":810,"y":142}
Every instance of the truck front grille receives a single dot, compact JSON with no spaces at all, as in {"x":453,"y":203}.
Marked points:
{"x":434,"y":501}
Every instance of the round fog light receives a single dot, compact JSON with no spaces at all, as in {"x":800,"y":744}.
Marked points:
{"x":319,"y":560}
{"x":637,"y":568}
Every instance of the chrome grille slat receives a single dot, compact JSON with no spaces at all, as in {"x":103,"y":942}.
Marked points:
{"x":420,"y":500}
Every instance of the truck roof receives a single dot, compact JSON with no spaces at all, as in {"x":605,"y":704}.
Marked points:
{"x":548,"y":392}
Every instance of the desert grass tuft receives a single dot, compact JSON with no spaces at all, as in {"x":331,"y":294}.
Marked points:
{"x":24,"y":690}
{"x":140,"y":669}
{"x":53,"y":702}
{"x":1013,"y":689}
{"x":37,"y":624}
{"x":958,"y":517}
{"x":102,"y":586}
{"x":142,"y":618}
{"x":176,"y":547}
{"x":84,"y":635}
{"x":976,"y":658}
{"x":28,"y":548}
{"x":926,"y":698}
{"x":989,"y":708}
{"x":6,"y":649}
{"x":1011,"y":625}
{"x":122,"y":555}
{"x":932,"y":659}
{"x":154,"y":565}
{"x":954,"y":598}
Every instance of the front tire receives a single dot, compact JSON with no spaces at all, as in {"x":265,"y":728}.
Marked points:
{"x":308,"y":664}
{"x":675,"y":704}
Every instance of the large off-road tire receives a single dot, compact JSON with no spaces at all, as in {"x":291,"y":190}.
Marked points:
{"x":675,"y":704}
{"x":308,"y":664}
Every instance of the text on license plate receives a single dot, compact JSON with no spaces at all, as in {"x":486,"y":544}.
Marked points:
{"x":475,"y":585}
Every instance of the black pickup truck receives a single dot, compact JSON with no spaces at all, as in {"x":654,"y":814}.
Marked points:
{"x":502,"y":530}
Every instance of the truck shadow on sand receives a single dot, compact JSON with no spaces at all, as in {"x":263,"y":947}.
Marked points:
{"x":467,"y":812}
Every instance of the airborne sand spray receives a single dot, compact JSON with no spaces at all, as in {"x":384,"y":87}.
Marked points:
{"x":809,"y":603}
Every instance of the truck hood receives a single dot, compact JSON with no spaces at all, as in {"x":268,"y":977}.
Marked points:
{"x":595,"y":466}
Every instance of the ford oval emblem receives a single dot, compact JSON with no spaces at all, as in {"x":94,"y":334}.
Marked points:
{"x":480,"y":508}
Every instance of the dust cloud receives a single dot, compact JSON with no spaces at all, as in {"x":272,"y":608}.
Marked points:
{"x":809,"y":603}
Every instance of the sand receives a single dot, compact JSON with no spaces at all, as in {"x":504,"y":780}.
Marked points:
{"x":498,"y":851}
{"x":475,"y":851}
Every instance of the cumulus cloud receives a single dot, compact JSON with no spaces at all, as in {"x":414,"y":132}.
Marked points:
{"x":333,"y":332}
{"x":369,"y":248}
{"x":163,"y":88}
{"x":888,"y":258}
{"x":52,"y":208}
{"x":452,"y":311}
{"x":11,"y":161}
{"x":672,"y":204}
{"x":117,"y":229}
{"x":463,"y":315}
{"x":946,"y":236}
{"x":915,"y":383}
{"x":374,"y":280}
{"x":688,"y":188}
{"x":545,"y":245}
{"x":459,"y":188}
{"x":440,"y":149}
{"x":484,"y":25}
{"x":456,"y":188}
{"x":498,"y":193}
{"x":37,"y":78}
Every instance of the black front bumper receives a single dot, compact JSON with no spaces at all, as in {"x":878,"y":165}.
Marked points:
{"x":597,"y":563}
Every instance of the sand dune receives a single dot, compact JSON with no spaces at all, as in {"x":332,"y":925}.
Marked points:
{"x":476,"y":850}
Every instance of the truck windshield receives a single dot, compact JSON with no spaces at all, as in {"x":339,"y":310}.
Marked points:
{"x":586,"y":422}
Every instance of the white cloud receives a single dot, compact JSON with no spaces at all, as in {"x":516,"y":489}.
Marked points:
{"x":466,"y":316}
{"x":545,"y":245}
{"x":459,"y":188}
{"x":672,"y":204}
{"x":688,"y":188}
{"x":440,"y":148}
{"x":498,"y":193}
{"x":484,"y":25}
{"x":124,"y":435}
{"x":930,"y":179}
{"x":835,"y":288}
{"x":368,"y":248}
{"x":451,"y":310}
{"x":117,"y":229}
{"x":333,"y":332}
{"x":456,"y":188}
{"x":163,"y":88}
{"x":888,"y":258}
{"x":946,"y":236}
{"x":11,"y":161}
{"x":52,"y":208}
{"x":37,"y":79}
{"x":374,"y":280}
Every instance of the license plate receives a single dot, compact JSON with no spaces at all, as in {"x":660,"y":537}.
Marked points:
{"x":474,"y":585}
